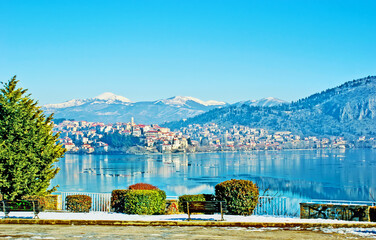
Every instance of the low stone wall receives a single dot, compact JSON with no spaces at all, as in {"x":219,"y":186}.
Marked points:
{"x":337,"y":211}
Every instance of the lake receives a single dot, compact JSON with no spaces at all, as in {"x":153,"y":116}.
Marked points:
{"x":305,"y":174}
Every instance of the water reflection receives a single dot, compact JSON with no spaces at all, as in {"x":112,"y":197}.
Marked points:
{"x":310,"y":174}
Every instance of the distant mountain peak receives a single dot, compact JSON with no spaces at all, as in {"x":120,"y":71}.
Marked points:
{"x":70,"y":103}
{"x":104,"y":97}
{"x":112,"y":97}
{"x":110,"y":108}
{"x":273,"y":98}
{"x":181,"y":100}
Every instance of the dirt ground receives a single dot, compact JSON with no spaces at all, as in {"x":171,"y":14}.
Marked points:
{"x":9,"y":231}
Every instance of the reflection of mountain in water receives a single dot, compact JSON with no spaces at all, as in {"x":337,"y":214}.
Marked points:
{"x":181,"y":189}
{"x":309,"y":190}
{"x":312,"y":174}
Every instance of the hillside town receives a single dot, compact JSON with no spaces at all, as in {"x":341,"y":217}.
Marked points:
{"x":95,"y":138}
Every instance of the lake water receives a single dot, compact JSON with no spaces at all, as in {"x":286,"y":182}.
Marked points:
{"x":305,"y":174}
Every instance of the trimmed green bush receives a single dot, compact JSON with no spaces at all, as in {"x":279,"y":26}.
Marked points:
{"x":190,"y":198}
{"x":78,"y":203}
{"x":117,"y":200}
{"x":241,"y":196}
{"x":117,"y":196}
{"x":144,"y":202}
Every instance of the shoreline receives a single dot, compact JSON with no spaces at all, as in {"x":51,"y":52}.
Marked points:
{"x":205,"y":152}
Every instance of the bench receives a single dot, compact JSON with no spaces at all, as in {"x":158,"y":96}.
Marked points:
{"x":208,"y":207}
{"x":21,"y":206}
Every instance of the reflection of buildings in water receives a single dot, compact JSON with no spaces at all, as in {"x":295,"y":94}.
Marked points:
{"x":170,"y":161}
{"x":150,"y":166}
{"x":176,"y":162}
{"x":87,"y":161}
{"x":167,"y":158}
{"x":184,"y":161}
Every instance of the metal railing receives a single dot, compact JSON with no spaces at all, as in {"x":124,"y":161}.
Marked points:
{"x":267,"y":205}
{"x":277,"y":206}
{"x":100,"y":202}
{"x":271,"y":206}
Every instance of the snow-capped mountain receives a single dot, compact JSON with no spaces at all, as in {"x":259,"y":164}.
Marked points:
{"x":106,"y":97}
{"x":110,"y":98}
{"x":70,"y":103}
{"x":181,"y":101}
{"x":111,"y":108}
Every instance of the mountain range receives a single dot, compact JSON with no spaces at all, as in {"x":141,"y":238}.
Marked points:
{"x":348,"y":110}
{"x":111,"y":108}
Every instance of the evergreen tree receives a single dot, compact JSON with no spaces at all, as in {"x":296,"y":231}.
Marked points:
{"x":28,"y":147}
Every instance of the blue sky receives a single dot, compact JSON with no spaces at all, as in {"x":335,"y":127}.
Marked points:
{"x":221,"y":50}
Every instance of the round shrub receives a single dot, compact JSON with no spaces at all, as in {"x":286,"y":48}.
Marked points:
{"x":142,"y":186}
{"x":144,"y":202}
{"x":241,"y":196}
{"x":117,"y":200}
{"x":189,"y":198}
{"x":78,"y":203}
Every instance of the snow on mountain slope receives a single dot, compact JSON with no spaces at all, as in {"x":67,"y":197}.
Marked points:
{"x":180,"y":101}
{"x":70,"y":103}
{"x":111,"y":108}
{"x":263,"y":102}
{"x":107,"y":96}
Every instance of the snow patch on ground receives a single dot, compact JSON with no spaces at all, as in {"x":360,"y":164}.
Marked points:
{"x":361,"y":232}
{"x":176,"y":217}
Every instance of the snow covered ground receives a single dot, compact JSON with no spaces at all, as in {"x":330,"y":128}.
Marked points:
{"x":176,"y":217}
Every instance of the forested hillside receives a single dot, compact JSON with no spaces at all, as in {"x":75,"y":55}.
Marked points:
{"x":348,"y":110}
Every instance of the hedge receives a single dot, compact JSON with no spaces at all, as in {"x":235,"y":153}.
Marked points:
{"x":117,"y":196}
{"x":78,"y":203}
{"x":117,"y":200}
{"x":144,"y":202}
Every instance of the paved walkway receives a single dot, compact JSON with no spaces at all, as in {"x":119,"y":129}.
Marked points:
{"x":100,"y":225}
{"x":22,"y":231}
